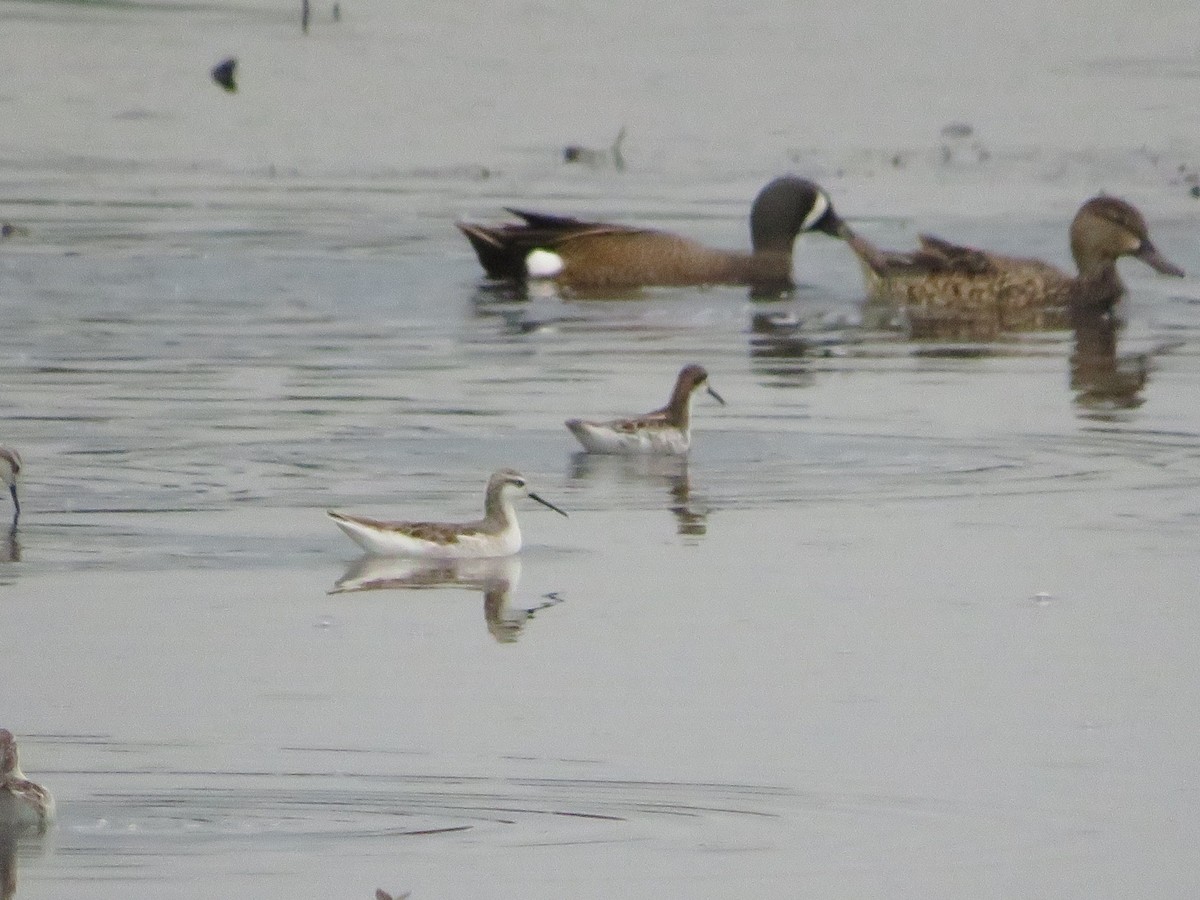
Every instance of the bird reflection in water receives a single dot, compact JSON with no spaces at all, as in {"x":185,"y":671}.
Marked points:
{"x":8,"y":865}
{"x":690,"y":511}
{"x":784,"y":343}
{"x":496,"y":577}
{"x":1103,"y":382}
{"x":10,"y":547}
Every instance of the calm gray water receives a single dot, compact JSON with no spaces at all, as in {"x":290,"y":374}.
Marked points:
{"x":915,"y":620}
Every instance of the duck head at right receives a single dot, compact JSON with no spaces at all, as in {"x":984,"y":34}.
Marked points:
{"x":1107,"y":228}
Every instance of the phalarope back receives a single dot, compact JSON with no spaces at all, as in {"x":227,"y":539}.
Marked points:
{"x":665,"y":431}
{"x":947,"y":287}
{"x":10,"y":471}
{"x":496,"y":534}
{"x":602,"y":255}
{"x":23,"y":804}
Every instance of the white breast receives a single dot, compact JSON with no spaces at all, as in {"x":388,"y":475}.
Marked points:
{"x":601,"y":437}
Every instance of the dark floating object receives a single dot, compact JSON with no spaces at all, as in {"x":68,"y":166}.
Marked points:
{"x":224,"y":74}
{"x":337,"y":12}
{"x":957,"y":130}
{"x":577,"y":153}
{"x":305,"y":15}
{"x":955,"y":147}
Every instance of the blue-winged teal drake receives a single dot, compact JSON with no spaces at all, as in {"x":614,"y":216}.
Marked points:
{"x":948,"y":290}
{"x":600,"y":255}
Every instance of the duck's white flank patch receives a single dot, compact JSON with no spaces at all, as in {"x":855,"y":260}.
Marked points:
{"x":543,"y":264}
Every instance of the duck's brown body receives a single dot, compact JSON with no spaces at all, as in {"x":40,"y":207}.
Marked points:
{"x":603,"y":255}
{"x":947,"y":290}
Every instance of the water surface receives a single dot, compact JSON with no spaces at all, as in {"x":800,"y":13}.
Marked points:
{"x":915,"y":619}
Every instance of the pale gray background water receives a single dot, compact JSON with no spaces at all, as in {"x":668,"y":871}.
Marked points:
{"x":914,"y":621}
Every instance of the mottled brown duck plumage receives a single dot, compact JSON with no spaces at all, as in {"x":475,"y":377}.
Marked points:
{"x":948,"y":290}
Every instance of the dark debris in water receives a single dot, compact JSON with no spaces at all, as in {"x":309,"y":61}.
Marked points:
{"x":224,"y":73}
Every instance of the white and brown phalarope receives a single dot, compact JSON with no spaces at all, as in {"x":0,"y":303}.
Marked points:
{"x":496,"y":534}
{"x":664,"y":431}
{"x":23,"y":804}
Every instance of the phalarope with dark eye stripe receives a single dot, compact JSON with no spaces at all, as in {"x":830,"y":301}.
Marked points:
{"x":664,"y":431}
{"x":496,"y":534}
{"x":23,"y":804}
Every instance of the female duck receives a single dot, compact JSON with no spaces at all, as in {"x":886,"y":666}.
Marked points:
{"x":946,"y":287}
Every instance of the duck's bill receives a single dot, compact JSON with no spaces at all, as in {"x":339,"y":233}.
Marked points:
{"x":714,"y":394}
{"x":1155,"y":260}
{"x":547,"y":503}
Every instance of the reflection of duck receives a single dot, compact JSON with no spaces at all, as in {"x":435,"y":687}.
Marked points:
{"x":496,"y":534}
{"x":783,"y":342}
{"x":949,"y":290}
{"x":1100,"y":379}
{"x":10,"y":547}
{"x":24,"y":806}
{"x":496,"y":577}
{"x":691,"y":517}
{"x":603,"y":255}
{"x":664,"y":431}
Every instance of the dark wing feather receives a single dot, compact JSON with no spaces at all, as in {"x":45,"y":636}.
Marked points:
{"x":548,"y":221}
{"x":956,"y":257}
{"x":502,"y":249}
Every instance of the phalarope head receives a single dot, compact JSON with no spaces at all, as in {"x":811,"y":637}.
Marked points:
{"x":690,"y":378}
{"x":505,"y":482}
{"x":8,"y":754}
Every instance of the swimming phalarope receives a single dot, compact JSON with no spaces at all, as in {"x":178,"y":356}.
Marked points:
{"x":10,"y":471}
{"x":496,"y":534}
{"x":664,"y":431}
{"x":23,"y":804}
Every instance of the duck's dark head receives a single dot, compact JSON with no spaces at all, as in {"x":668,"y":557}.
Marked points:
{"x":1107,"y":228}
{"x":786,"y":207}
